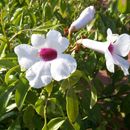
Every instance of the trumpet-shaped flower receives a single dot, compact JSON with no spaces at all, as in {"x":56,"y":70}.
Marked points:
{"x":44,"y":60}
{"x":85,"y":17}
{"x":115,"y":48}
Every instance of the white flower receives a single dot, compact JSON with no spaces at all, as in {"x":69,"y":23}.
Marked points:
{"x":45,"y":60}
{"x":85,"y":17}
{"x":116,"y":47}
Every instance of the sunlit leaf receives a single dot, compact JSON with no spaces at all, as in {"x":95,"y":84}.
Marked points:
{"x":39,"y":106}
{"x":3,"y":42}
{"x":72,"y":105}
{"x":21,"y":92}
{"x":5,"y":97}
{"x":45,"y":127}
{"x":7,"y":63}
{"x":122,"y":5}
{"x":7,"y":76}
{"x":93,"y":96}
{"x":17,"y":16}
{"x":71,"y":81}
{"x":49,"y":88}
{"x":55,"y":123}
{"x":8,"y":115}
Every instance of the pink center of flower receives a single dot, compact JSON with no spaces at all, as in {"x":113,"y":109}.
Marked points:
{"x":111,"y":48}
{"x":48,"y":54}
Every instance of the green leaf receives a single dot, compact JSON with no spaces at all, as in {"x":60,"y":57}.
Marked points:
{"x":8,"y":115}
{"x":4,"y":98}
{"x":75,"y":77}
{"x":3,"y":42}
{"x":17,"y":16}
{"x":21,"y":92}
{"x":72,"y":105}
{"x":53,"y":4}
{"x":49,"y":88}
{"x":93,"y":97}
{"x":71,"y":81}
{"x":122,"y":6}
{"x":21,"y":1}
{"x":39,"y":106}
{"x":56,"y":123}
{"x":62,"y":6}
{"x":126,"y":105}
{"x":102,"y":126}
{"x":6,"y":63}
{"x":15,"y":125}
{"x":45,"y":127}
{"x":28,"y":116}
{"x":47,"y":12}
{"x":76,"y":126}
{"x":7,"y":75}
{"x":33,"y":18}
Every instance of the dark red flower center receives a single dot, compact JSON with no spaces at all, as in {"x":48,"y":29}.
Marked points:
{"x":48,"y":54}
{"x":111,"y":48}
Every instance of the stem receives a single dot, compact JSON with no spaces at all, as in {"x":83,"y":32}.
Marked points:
{"x":45,"y":112}
{"x":18,"y":34}
{"x":70,"y":40}
{"x":45,"y":107}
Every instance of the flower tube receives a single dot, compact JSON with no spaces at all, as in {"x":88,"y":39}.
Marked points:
{"x":115,"y":48}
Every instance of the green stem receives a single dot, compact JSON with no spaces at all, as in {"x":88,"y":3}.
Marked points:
{"x":19,"y":32}
{"x":45,"y":112}
{"x":45,"y":107}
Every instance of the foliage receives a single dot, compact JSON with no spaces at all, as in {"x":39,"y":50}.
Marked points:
{"x":80,"y":102}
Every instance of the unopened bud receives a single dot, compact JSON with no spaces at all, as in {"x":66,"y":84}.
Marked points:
{"x":85,"y":17}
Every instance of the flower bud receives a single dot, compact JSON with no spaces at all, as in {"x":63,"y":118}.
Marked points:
{"x":85,"y":17}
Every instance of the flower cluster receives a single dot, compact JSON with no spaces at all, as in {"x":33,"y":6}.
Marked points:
{"x":45,"y":60}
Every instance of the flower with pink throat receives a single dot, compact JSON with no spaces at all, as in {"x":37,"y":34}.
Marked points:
{"x":85,"y":17}
{"x":44,"y":60}
{"x":115,"y":48}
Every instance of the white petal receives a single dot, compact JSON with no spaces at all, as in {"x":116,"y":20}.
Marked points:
{"x":53,"y":34}
{"x":111,"y":37}
{"x":122,"y":45}
{"x":56,"y":41}
{"x":109,"y":32}
{"x":37,"y":40}
{"x":109,"y":61}
{"x":27,"y":55}
{"x":94,"y":45}
{"x":39,"y":74}
{"x":63,"y":44}
{"x":63,"y":66}
{"x":124,"y":64}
